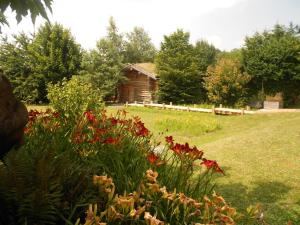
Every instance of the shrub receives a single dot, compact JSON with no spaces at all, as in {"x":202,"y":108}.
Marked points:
{"x":71,"y":98}
{"x":48,"y":181}
{"x":226,"y":83}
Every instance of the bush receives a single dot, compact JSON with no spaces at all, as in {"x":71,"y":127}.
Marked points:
{"x":71,"y":98}
{"x":226,"y":83}
{"x":49,"y":180}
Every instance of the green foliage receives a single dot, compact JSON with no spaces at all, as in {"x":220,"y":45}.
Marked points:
{"x":272,"y":60}
{"x":17,"y":63}
{"x":103,"y":65}
{"x":225,"y":83}
{"x":152,"y":204}
{"x":206,"y":55}
{"x":32,"y":62}
{"x":56,"y":53}
{"x":22,"y":8}
{"x":72,"y":98}
{"x":179,"y":76}
{"x":49,"y":180}
{"x":138,"y":47}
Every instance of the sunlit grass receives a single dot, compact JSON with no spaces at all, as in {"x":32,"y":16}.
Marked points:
{"x":260,"y":154}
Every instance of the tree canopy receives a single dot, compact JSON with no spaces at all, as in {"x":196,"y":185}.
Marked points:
{"x":272,"y":59}
{"x":103,"y":65}
{"x":30,"y":62}
{"x":179,"y":76}
{"x":226,"y":83}
{"x":138,"y":47}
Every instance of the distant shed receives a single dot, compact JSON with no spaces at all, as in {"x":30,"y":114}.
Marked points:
{"x":141,"y":84}
{"x":273,"y":101}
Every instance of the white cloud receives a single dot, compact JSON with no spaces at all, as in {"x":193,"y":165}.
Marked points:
{"x":216,"y":41}
{"x":223,"y":22}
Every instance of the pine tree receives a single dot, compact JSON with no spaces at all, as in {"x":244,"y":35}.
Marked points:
{"x":179,"y":76}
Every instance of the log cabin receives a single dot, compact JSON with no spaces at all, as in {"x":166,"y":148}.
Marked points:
{"x":141,"y":83}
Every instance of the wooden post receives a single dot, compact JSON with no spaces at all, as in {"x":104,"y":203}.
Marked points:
{"x":243,"y":111}
{"x":247,"y":107}
{"x":126,"y":104}
{"x":164,"y":106}
{"x":213,"y":110}
{"x":171,"y":103}
{"x":151,"y":102}
{"x":135,"y":102}
{"x":221,"y":106}
{"x":188,"y":109}
{"x":194,"y":105}
{"x":144,"y":103}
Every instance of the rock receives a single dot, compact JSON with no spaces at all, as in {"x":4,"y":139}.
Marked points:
{"x":13,"y":118}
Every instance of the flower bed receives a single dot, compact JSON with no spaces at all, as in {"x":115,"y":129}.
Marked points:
{"x":51,"y":179}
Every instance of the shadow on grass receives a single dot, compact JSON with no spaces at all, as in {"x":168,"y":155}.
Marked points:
{"x":268,"y":194}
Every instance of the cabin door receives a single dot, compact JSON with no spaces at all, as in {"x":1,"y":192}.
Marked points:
{"x":131,"y":95}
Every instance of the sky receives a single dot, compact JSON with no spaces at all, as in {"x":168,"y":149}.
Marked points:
{"x":224,"y":23}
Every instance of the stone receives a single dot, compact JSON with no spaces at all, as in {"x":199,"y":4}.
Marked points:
{"x":13,"y":118}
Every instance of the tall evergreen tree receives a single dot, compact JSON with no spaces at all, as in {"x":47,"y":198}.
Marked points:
{"x":179,"y":76}
{"x":138,"y":47}
{"x":56,"y":53}
{"x":206,"y":54}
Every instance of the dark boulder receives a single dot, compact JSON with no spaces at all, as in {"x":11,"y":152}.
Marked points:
{"x":13,"y":118}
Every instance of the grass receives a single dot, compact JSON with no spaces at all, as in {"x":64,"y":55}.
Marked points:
{"x":260,"y":154}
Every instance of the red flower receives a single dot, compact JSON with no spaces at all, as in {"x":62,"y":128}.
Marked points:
{"x":114,"y":121}
{"x":152,"y":158}
{"x":90,"y":116}
{"x":141,"y":130}
{"x":32,"y":115}
{"x":195,"y":153}
{"x":169,"y":139}
{"x":177,"y":148}
{"x":26,"y":130}
{"x":212,"y":164}
{"x":111,"y":140}
{"x":55,"y":114}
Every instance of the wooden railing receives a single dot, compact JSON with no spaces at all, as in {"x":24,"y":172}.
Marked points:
{"x":219,"y":110}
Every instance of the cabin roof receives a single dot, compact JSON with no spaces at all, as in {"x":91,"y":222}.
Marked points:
{"x":145,"y":68}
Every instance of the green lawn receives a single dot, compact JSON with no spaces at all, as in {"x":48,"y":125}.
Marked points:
{"x":260,"y":154}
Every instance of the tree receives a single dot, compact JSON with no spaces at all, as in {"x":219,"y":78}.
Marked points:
{"x":23,"y":7}
{"x":103,"y":65}
{"x":206,"y":54}
{"x":225,"y":83}
{"x":17,"y":63}
{"x":272,"y":59}
{"x":32,"y":62}
{"x":179,"y":76}
{"x":138,"y":47}
{"x":56,"y":53}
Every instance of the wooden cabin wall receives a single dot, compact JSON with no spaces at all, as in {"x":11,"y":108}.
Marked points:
{"x":137,"y":88}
